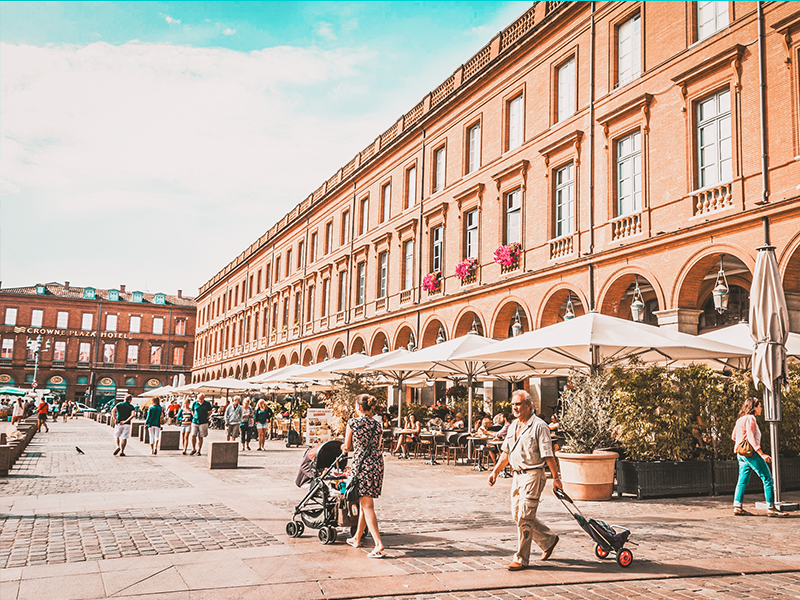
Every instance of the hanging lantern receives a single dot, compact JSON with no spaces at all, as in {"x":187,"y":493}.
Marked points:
{"x":637,"y":306}
{"x":721,"y":290}
{"x":411,"y":345}
{"x":570,"y":314}
{"x":385,"y":347}
{"x":440,"y":336}
{"x":516,"y":328}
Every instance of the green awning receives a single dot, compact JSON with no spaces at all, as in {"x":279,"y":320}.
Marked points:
{"x":6,"y":379}
{"x":12,"y":391}
{"x":152,"y":384}
{"x":107,"y":385}
{"x":57,"y":382}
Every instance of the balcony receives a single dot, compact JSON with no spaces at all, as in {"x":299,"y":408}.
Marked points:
{"x":508,"y":269}
{"x":405,"y":296}
{"x":380,"y":304}
{"x":712,"y":199}
{"x":359,"y":311}
{"x":561,"y":247}
{"x":626,"y":226}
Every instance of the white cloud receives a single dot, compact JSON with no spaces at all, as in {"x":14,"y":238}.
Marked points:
{"x":325,"y":30}
{"x":228,"y":31}
{"x":172,"y":21}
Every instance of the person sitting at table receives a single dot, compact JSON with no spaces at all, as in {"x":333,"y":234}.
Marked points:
{"x":483,"y":428}
{"x":449,"y":423}
{"x":412,"y":427}
{"x":435,"y":424}
{"x":554,"y":426}
{"x":505,"y":421}
{"x":459,"y":422}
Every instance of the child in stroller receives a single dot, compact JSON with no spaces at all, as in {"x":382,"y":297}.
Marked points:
{"x":324,"y":507}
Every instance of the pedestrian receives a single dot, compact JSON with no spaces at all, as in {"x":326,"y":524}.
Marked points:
{"x":153,"y":423}
{"x":747,"y":442}
{"x":64,"y":411}
{"x":200,"y":411}
{"x":172,"y":411}
{"x":18,"y":412}
{"x":122,"y":413}
{"x":233,"y":417}
{"x":527,"y":448}
{"x":262,"y":416}
{"x":185,"y":422}
{"x":246,"y":424}
{"x":42,"y":409}
{"x":363,"y":437}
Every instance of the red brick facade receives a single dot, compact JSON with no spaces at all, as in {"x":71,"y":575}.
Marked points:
{"x":94,"y":340}
{"x":614,"y":147}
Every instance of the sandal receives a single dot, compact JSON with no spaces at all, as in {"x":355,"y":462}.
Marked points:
{"x":740,"y":512}
{"x":352,"y":542}
{"x":376,"y":554}
{"x":774,"y":512}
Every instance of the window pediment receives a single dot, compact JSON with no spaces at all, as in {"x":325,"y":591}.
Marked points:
{"x":518,"y":169}
{"x":731,"y":56}
{"x":383,"y":241}
{"x":407,"y":230}
{"x":438,"y":213}
{"x":472,"y":195}
{"x":571,"y":139}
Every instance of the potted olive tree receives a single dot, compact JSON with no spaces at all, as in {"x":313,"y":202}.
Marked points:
{"x":587,"y":425}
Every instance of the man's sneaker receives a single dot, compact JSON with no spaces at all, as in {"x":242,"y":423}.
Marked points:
{"x":116,"y":451}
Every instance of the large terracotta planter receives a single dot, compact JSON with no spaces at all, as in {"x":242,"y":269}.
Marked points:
{"x":588,"y":476}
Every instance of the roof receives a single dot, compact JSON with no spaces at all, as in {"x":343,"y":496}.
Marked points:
{"x":59,"y":290}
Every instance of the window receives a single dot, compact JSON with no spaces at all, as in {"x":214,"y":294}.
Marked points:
{"x":255,"y":326}
{"x":286,"y":312}
{"x":301,"y":254}
{"x":155,"y":355}
{"x":564,"y":205}
{"x":297,"y":307}
{"x":408,"y":264}
{"x":36,"y":318}
{"x":159,"y":299}
{"x":326,"y":292}
{"x":136,"y":324}
{"x":62,"y":321}
{"x":7,"y":352}
{"x":111,"y":322}
{"x":267,"y":276}
{"x":180,"y":326}
{"x":130,"y":381}
{"x":566,"y":89}
{"x":364,"y":224}
{"x":108,"y":353}
{"x":137,"y":296}
{"x":133,"y":354}
{"x":513,"y":210}
{"x":88,"y":293}
{"x":11,"y":316}
{"x":59,"y":351}
{"x":84,"y":352}
{"x":313,"y":256}
{"x":177,"y":355}
{"x":277,"y":268}
{"x":86,"y":321}
{"x":437,"y":235}
{"x":361,"y":293}
{"x":711,"y":17}
{"x":438,"y":169}
{"x":158,"y":324}
{"x":386,"y":202}
{"x":113,"y":295}
{"x":275,"y":316}
{"x":629,"y":55}
{"x":288,"y":262}
{"x":250,"y":287}
{"x":344,"y":234}
{"x":471,"y":234}
{"x":258,"y":282}
{"x":714,"y":139}
{"x":342,"y":301}
{"x":310,"y":307}
{"x":411,"y":186}
{"x":31,"y":344}
{"x":474,"y":148}
{"x":328,"y":237}
{"x":383,"y":274}
{"x":515,"y":123}
{"x":629,"y":174}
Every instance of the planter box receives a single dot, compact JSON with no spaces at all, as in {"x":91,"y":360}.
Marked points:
{"x":790,"y":474}
{"x":663,"y":479}
{"x":726,"y":474}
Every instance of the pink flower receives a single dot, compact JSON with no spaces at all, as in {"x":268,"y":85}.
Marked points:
{"x":432,"y":281}
{"x":466,"y":268}
{"x":508,"y":255}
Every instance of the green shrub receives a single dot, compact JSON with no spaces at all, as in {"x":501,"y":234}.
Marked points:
{"x":586,"y":419}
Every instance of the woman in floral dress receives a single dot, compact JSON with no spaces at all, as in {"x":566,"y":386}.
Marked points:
{"x":363,"y":437}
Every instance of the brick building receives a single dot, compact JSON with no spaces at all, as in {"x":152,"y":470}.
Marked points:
{"x":94,"y":342}
{"x":606,"y":152}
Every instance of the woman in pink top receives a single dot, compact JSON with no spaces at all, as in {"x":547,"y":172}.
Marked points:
{"x":747,"y":427}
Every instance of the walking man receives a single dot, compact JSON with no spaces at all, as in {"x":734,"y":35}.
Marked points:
{"x":200,"y":412}
{"x":233,"y":417}
{"x":527,"y":448}
{"x":122,"y":414}
{"x":42,"y":417}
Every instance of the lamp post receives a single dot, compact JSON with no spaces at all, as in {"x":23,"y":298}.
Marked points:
{"x":721,"y":290}
{"x":637,"y":306}
{"x":35,"y":346}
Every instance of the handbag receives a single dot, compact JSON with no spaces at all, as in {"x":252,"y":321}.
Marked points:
{"x":351,"y":490}
{"x":744,"y":448}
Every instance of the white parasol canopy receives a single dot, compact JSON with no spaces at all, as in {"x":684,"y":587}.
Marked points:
{"x":165,"y":390}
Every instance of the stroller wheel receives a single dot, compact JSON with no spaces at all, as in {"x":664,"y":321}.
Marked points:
{"x":624,"y":558}
{"x":327,"y":535}
{"x":294,"y":529}
{"x":600,"y":552}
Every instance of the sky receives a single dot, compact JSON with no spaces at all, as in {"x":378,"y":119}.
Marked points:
{"x":149,"y":143}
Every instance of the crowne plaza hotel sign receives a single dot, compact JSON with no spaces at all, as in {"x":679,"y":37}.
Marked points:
{"x":71,"y":332}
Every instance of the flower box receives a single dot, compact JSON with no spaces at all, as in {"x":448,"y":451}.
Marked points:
{"x":661,"y":479}
{"x":507,"y":256}
{"x":466,"y":270}
{"x":432,"y":282}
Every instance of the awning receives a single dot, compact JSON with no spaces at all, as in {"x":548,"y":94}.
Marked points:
{"x":106,"y":386}
{"x":152,"y":384}
{"x":6,"y":379}
{"x":57,"y":382}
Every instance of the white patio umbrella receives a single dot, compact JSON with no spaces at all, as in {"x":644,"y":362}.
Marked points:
{"x":739,"y":335}
{"x":769,"y":328}
{"x":165,"y":390}
{"x":272,"y":376}
{"x":331,"y":368}
{"x":375,"y":364}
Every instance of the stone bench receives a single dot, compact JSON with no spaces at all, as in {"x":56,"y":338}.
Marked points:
{"x":136,"y":427}
{"x":170,"y":439}
{"x":5,"y":459}
{"x":223,"y":455}
{"x":144,"y":435}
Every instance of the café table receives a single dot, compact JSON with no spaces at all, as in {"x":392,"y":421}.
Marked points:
{"x":432,"y":436}
{"x":497,"y":444}
{"x":478,"y":438}
{"x":409,"y":432}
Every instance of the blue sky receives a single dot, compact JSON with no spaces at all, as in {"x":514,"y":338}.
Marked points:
{"x":148,"y":143}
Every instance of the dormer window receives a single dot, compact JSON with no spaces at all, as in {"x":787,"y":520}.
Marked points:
{"x":40,"y":289}
{"x":113,"y":295}
{"x":160,"y":299}
{"x":137,"y":296}
{"x":88,"y":293}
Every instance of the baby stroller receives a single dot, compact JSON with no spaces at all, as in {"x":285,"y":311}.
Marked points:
{"x":607,"y":537}
{"x":324,"y":506}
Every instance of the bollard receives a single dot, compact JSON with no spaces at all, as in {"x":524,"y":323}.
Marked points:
{"x":5,"y":459}
{"x":170,"y":439}
{"x":223,"y":455}
{"x":136,"y":426}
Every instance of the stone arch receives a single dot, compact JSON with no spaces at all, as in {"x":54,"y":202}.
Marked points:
{"x":308,"y":356}
{"x":379,"y":339}
{"x":238,"y":371}
{"x":404,"y":333}
{"x":262,"y":367}
{"x":246,"y":371}
{"x":322,"y":353}
{"x":338,"y":349}
{"x":465,"y":320}
{"x":295,"y":358}
{"x":225,"y":373}
{"x":554,"y":304}
{"x":692,"y":286}
{"x":272,"y":364}
{"x":282,"y":361}
{"x":617,"y":294}
{"x":789,"y":266}
{"x":430,"y":331}
{"x":504,"y":316}
{"x":357,"y":345}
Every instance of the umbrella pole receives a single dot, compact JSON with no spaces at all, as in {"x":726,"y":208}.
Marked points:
{"x":469,"y":413}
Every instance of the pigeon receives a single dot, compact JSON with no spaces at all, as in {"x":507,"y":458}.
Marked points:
{"x":79,"y":450}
